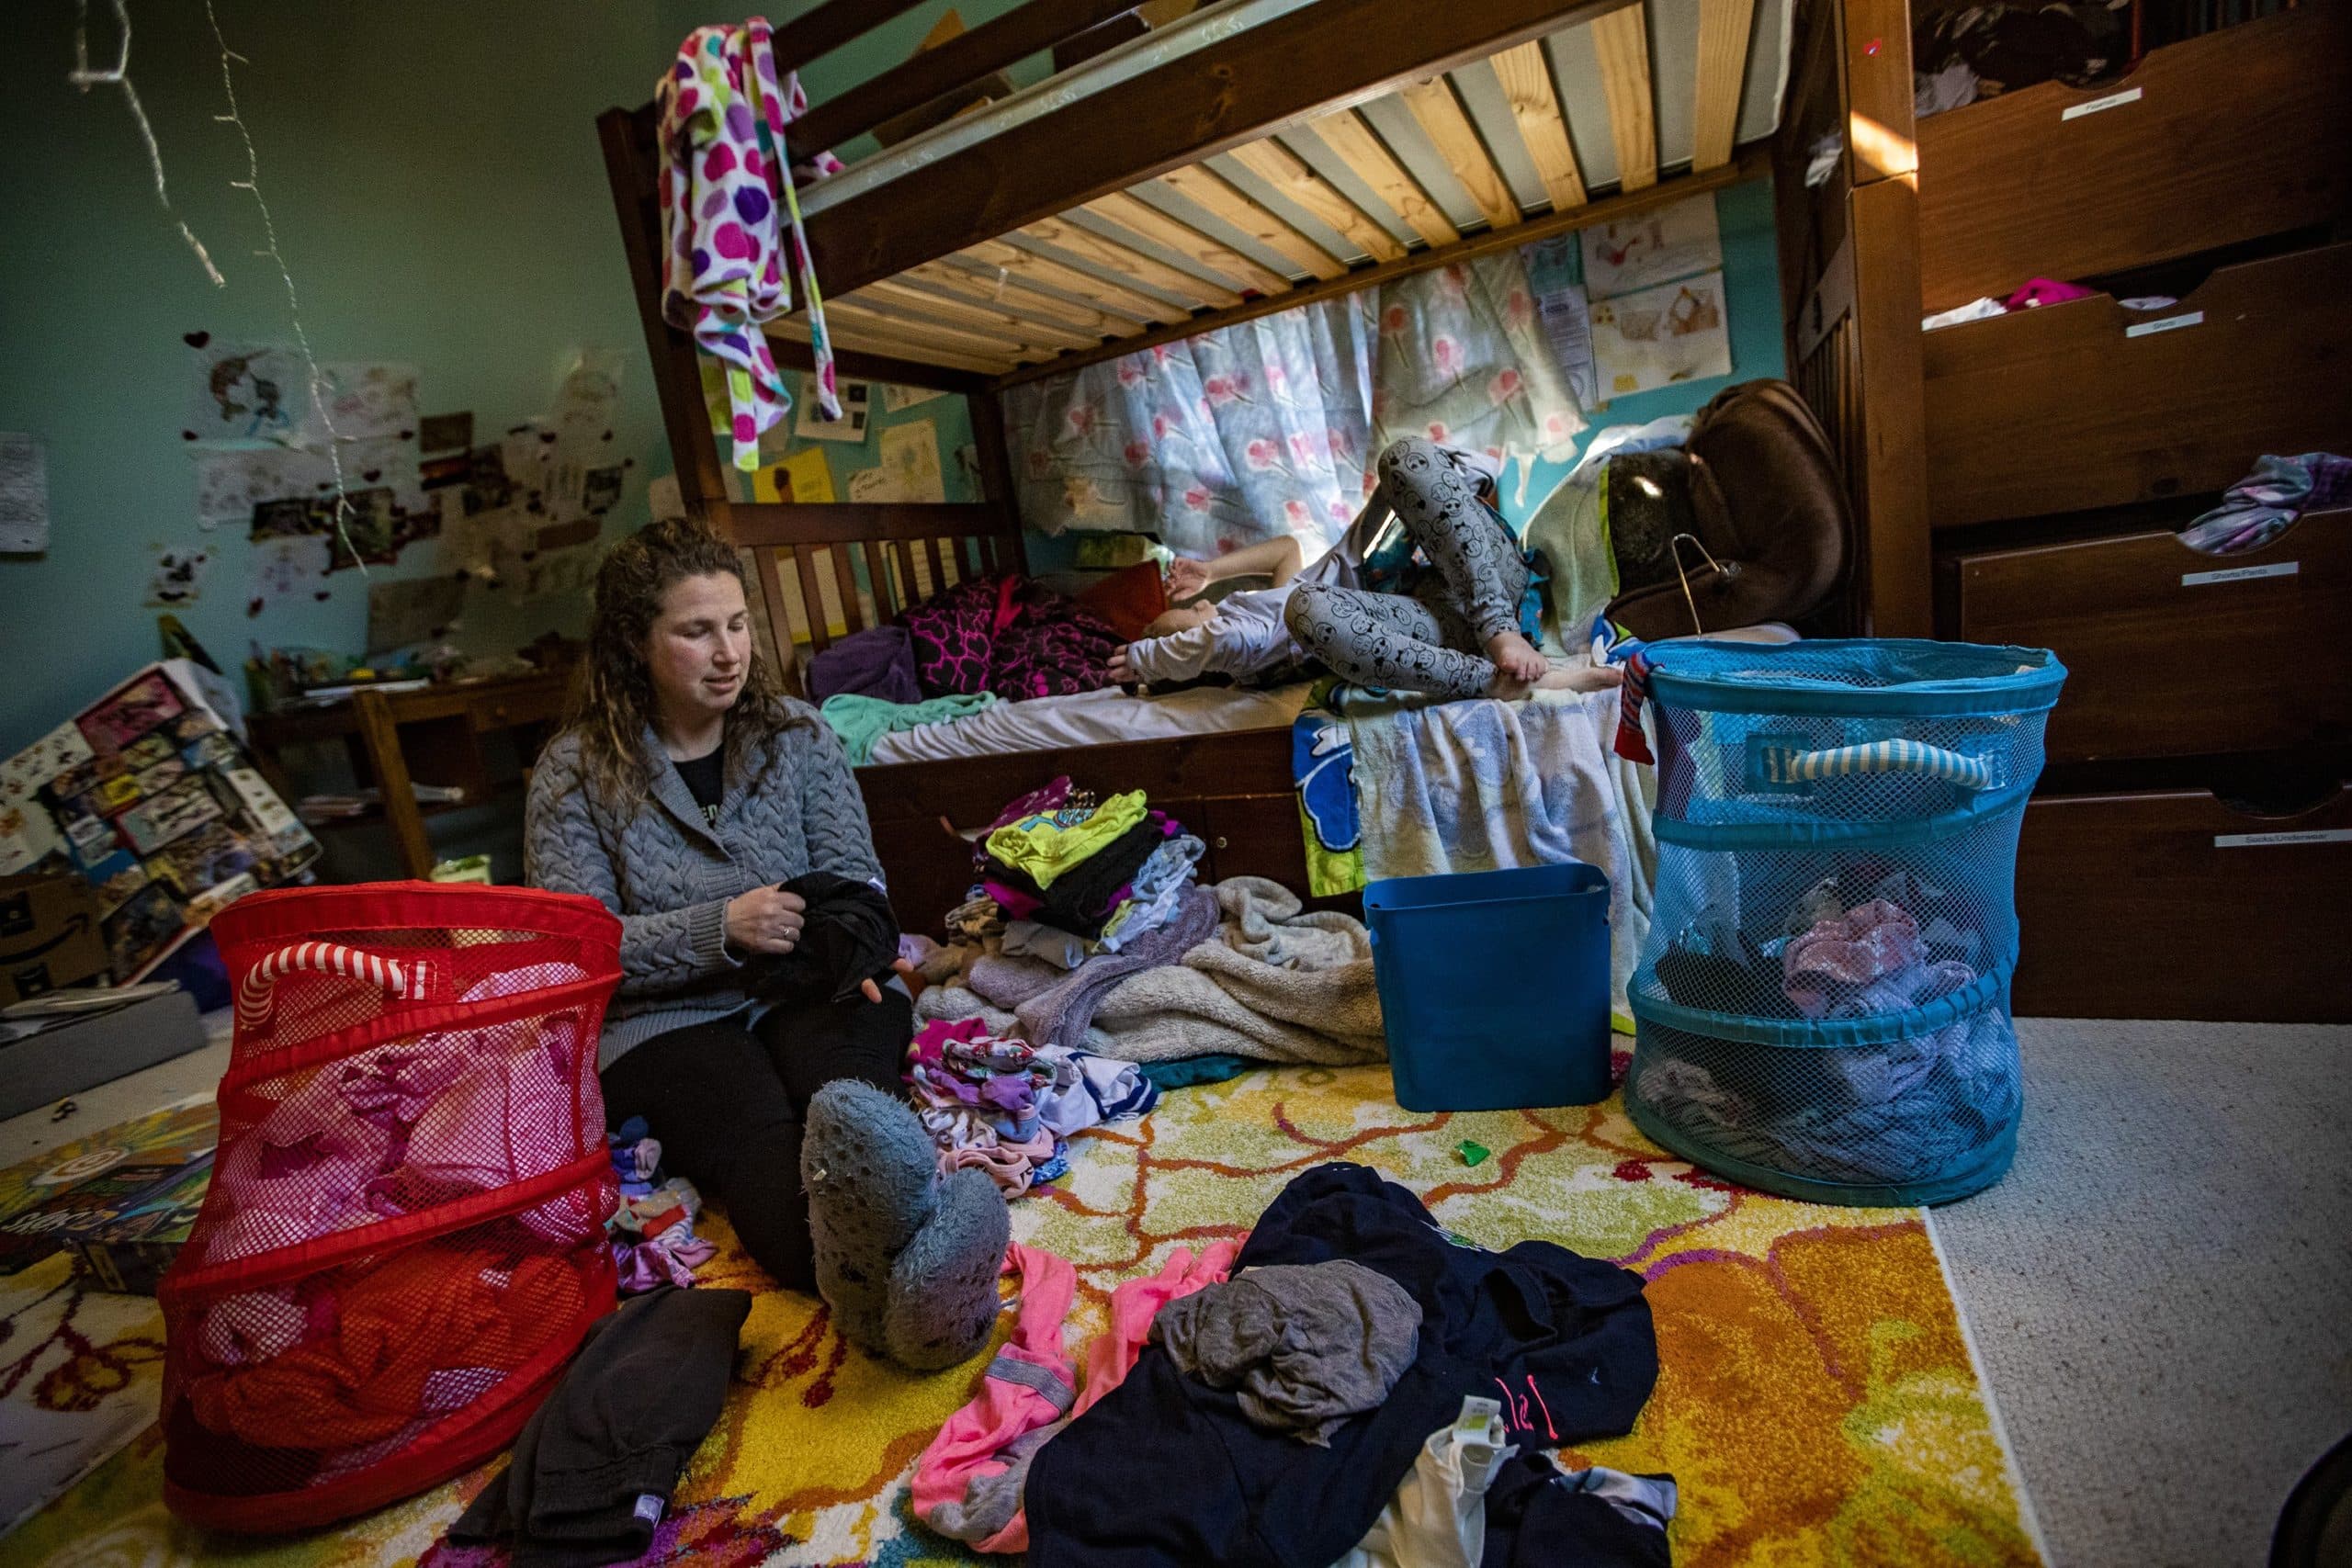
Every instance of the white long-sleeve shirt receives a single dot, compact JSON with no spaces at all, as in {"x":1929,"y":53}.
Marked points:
{"x":1247,"y":636}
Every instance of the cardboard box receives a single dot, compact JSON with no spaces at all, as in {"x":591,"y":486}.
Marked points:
{"x":87,"y":1049}
{"x":49,"y":935}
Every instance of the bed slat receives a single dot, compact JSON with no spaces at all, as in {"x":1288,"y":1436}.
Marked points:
{"x":1011,"y":294}
{"x":1621,"y":39}
{"x":886,"y":603}
{"x":1526,"y":78}
{"x":1439,"y":114}
{"x":812,"y":600}
{"x":971,"y":312}
{"x":938,"y":573}
{"x":1295,"y":180}
{"x":1219,"y":197}
{"x":1108,"y":254}
{"x":779,"y":619}
{"x":1724,"y":26}
{"x":976,"y":341}
{"x":909,"y":593}
{"x":1360,"y":148}
{"x":863,"y":335}
{"x":1212,"y":255}
{"x":845,"y":581}
{"x":998,"y":256}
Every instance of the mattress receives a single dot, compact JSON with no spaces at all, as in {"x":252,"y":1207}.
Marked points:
{"x":1094,"y":718}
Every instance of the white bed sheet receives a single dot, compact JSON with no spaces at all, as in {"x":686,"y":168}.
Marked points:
{"x":1094,"y":718}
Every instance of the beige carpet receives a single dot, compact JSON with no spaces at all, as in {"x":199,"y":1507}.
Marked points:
{"x":2161,"y":1291}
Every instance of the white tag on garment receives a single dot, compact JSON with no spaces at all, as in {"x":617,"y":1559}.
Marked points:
{"x":2112,"y":101}
{"x":650,"y":1506}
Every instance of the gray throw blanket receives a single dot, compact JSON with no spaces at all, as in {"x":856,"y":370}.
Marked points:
{"x":1276,"y":983}
{"x":1055,"y":1006}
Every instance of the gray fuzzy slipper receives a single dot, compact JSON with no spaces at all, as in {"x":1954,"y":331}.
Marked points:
{"x":873,"y":1180}
{"x":943,"y":1299}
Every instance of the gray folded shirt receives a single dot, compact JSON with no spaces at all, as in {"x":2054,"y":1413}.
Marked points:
{"x":1305,"y":1346}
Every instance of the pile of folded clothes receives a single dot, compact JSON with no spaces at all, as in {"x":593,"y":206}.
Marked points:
{"x":1009,"y":1108}
{"x":652,"y":1231}
{"x":1068,"y":877}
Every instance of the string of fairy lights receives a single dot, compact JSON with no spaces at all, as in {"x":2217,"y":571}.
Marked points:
{"x":118,"y":75}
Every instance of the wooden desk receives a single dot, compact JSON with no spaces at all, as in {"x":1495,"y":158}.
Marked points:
{"x":432,"y":736}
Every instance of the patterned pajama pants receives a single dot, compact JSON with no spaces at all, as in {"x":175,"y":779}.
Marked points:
{"x":1434,"y":639}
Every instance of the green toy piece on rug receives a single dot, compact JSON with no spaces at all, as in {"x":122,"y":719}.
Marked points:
{"x":1472,"y":1153}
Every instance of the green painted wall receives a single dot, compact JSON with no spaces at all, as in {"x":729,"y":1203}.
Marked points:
{"x":434,"y":174}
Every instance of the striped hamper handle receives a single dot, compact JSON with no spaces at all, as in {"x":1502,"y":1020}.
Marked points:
{"x":257,"y":992}
{"x":1786,"y":765}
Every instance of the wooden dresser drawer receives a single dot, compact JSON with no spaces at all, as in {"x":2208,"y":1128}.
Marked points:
{"x":2219,"y":140}
{"x":2172,"y":904}
{"x":2083,"y":405}
{"x":2170,"y":653}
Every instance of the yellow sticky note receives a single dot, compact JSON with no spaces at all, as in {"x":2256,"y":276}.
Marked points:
{"x":803,"y":476}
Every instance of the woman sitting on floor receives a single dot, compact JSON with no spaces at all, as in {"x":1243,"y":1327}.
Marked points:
{"x":1462,"y":626}
{"x":685,"y":793}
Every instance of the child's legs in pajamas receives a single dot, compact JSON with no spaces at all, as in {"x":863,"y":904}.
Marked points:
{"x":1438,"y":502}
{"x":1388,"y":639}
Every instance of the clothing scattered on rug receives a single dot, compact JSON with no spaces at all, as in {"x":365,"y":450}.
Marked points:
{"x":653,"y":1231}
{"x":595,"y":1465}
{"x":1304,"y":1346}
{"x":1271,"y":982}
{"x":1188,"y":1072}
{"x":1001,"y":1106}
{"x":906,"y":1257}
{"x":970,"y":1481}
{"x":1047,"y":844}
{"x":1541,"y":1517}
{"x":862,"y":721}
{"x":733,"y":219}
{"x":1165,"y":1473}
{"x":2258,"y":507}
{"x":1438,"y":1518}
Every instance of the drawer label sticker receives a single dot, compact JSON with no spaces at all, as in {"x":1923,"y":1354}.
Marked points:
{"x":2170,"y":325}
{"x":2112,"y":101}
{"x":2253,"y":841}
{"x":2241,"y":573}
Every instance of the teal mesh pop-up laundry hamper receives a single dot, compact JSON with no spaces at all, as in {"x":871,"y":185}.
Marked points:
{"x":1822,"y":1005}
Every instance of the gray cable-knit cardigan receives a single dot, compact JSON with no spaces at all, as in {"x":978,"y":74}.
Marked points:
{"x":789,"y":808}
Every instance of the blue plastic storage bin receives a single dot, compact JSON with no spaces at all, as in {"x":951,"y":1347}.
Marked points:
{"x":1494,"y":986}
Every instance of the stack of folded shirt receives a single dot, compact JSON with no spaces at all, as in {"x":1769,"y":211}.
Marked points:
{"x":1069,"y":877}
{"x":1006,"y":1107}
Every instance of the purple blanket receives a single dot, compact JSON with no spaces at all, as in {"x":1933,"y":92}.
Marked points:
{"x":1055,"y":1008}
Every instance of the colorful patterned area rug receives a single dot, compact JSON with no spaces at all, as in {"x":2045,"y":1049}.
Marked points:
{"x":1818,"y":1402}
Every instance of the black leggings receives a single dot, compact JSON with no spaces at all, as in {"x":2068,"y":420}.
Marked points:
{"x":727,"y":1100}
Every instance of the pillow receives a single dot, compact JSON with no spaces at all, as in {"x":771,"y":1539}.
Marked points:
{"x":1129,"y":598}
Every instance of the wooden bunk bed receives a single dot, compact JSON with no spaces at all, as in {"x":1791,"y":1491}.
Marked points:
{"x":1035,"y":237}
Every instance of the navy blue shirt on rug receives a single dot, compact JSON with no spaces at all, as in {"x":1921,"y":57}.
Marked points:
{"x":1166,"y":1472}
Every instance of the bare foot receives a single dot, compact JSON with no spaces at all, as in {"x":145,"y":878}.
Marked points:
{"x":1582,"y":678}
{"x":1515,"y":658}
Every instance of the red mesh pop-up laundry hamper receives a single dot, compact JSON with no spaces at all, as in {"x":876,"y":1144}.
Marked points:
{"x":404,"y":1238}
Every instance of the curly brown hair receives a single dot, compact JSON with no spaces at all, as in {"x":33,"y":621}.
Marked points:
{"x":613,"y":702}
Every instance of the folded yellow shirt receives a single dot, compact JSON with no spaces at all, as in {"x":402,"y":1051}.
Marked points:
{"x":1051,"y":842}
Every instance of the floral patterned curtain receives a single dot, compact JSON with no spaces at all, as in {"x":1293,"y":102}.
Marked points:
{"x":1267,"y":428}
